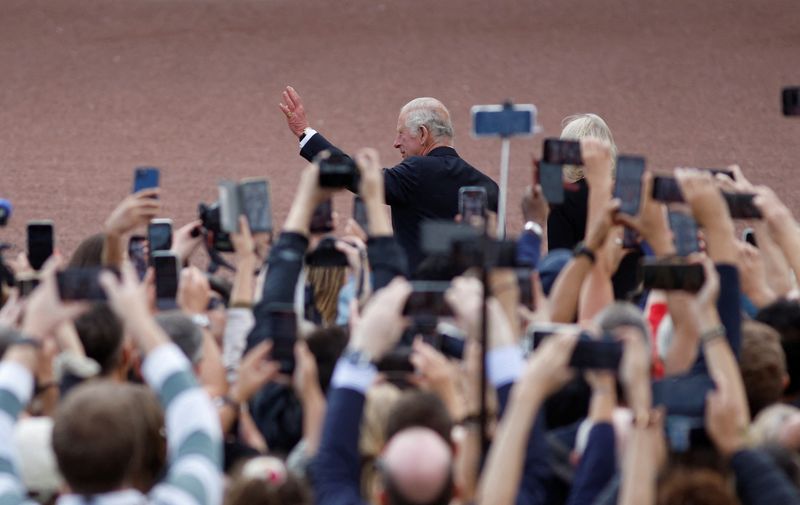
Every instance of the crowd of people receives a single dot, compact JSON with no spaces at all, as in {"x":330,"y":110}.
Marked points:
{"x":483,"y":400}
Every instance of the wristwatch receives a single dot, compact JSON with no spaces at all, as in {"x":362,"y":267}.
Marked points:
{"x":534,"y":227}
{"x":201,"y":320}
{"x":356,"y":357}
{"x":582,"y":250}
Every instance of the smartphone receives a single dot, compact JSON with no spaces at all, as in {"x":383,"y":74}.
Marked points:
{"x":167,"y":270}
{"x":80,"y":284}
{"x":630,"y":238}
{"x":791,"y":101}
{"x":472,"y":202}
{"x":628,"y":186}
{"x":503,"y":120}
{"x":427,"y":299}
{"x":322,"y":219}
{"x":255,"y":204}
{"x":596,"y":354}
{"x":525,"y":285}
{"x":145,"y":178}
{"x":551,"y":179}
{"x":438,"y":236}
{"x":159,"y":235}
{"x":26,"y":285}
{"x":562,"y":152}
{"x":282,"y":330}
{"x":338,"y":171}
{"x":666,"y":189}
{"x":229,"y":206}
{"x":670,"y":275}
{"x":684,"y":231}
{"x":741,"y":205}
{"x":40,"y":242}
{"x":749,"y":236}
{"x":137,"y":254}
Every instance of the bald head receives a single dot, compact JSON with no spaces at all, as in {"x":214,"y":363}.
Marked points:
{"x":418,"y":464}
{"x":424,"y":123}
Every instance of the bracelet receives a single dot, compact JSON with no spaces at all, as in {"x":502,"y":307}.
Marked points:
{"x":470,"y":420}
{"x":27,"y":341}
{"x":712,"y":334}
{"x":583,"y":250}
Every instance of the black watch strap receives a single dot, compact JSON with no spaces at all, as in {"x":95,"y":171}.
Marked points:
{"x":582,"y":250}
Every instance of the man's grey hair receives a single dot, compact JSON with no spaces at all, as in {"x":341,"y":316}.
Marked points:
{"x":623,"y":314}
{"x":183,"y":333}
{"x":430,"y":113}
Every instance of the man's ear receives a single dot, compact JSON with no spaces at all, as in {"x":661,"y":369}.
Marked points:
{"x":424,"y":135}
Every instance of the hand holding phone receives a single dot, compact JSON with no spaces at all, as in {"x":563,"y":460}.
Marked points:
{"x":472,"y":202}
{"x":159,"y":235}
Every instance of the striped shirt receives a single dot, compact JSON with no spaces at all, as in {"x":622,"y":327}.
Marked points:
{"x":193,"y":433}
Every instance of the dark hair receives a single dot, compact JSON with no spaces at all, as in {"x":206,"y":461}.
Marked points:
{"x":420,"y":408}
{"x":151,"y":459}
{"x":95,"y":437}
{"x":89,"y":252}
{"x":763,"y":365}
{"x":784,"y":316}
{"x":101,"y":332}
{"x":697,"y":485}
{"x":221,"y":286}
{"x":326,"y":344}
{"x":249,"y":491}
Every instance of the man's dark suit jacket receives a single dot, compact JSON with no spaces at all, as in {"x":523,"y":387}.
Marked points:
{"x":420,"y":188}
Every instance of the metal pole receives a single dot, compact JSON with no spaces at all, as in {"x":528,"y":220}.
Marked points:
{"x":501,"y":204}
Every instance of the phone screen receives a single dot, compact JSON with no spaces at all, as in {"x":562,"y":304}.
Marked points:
{"x":282,"y":330}
{"x":166,"y":269}
{"x":229,"y":207}
{"x":145,"y":178}
{"x":255,"y":201}
{"x":40,"y":243}
{"x":80,"y":284}
{"x":551,"y":178}
{"x":791,"y":101}
{"x":741,"y":205}
{"x":562,"y":152}
{"x":360,"y":213}
{"x":673,"y":276}
{"x":137,"y":253}
{"x":322,"y":219}
{"x":666,"y":189}
{"x":427,"y":299}
{"x":628,"y":186}
{"x":684,"y":231}
{"x":159,"y":235}
{"x":472,"y":206}
{"x":596,"y":354}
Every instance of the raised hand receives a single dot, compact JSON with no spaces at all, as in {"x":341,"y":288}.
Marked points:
{"x":135,"y":210}
{"x":292,"y":108}
{"x":194,"y":291}
{"x":186,"y":240}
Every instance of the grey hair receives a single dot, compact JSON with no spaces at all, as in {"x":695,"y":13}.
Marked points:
{"x":579,"y":126}
{"x":623,"y":314}
{"x":430,"y":113}
{"x":183,"y":333}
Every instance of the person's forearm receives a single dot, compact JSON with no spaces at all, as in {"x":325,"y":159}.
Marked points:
{"x":113,"y":250}
{"x":779,"y":274}
{"x":314,"y":407}
{"x":599,"y":195}
{"x":788,"y":238}
{"x":467,"y":463}
{"x":683,"y":349}
{"x":244,"y":281}
{"x":149,"y":334}
{"x":721,"y":362}
{"x":378,"y":219}
{"x":567,"y":288}
{"x":596,"y":293}
{"x":503,"y":473}
{"x":721,"y":242}
{"x":639,"y":471}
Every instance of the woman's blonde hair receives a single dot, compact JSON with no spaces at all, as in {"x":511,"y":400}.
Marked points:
{"x":580,"y":126}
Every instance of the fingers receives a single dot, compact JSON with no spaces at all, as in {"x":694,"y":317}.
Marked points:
{"x":148,"y":193}
{"x":367,"y":158}
{"x":294,"y":97}
{"x":259,"y":353}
